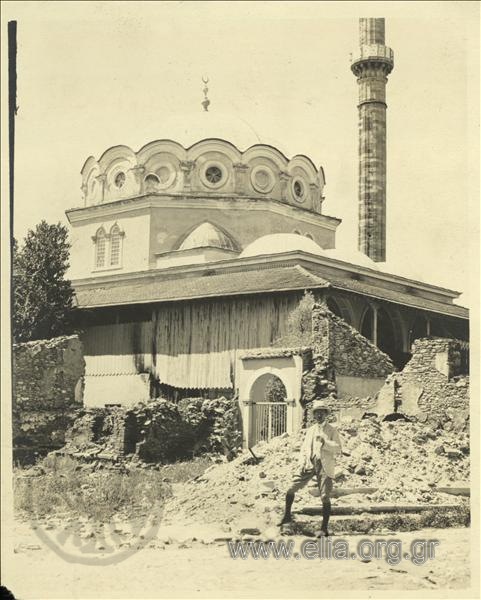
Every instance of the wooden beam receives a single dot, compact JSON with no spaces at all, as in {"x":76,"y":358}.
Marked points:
{"x":455,"y":491}
{"x":338,"y":492}
{"x":378,"y":509}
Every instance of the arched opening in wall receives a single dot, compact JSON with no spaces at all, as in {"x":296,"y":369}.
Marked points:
{"x":333,"y":306}
{"x":386,"y":337}
{"x":151,"y":182}
{"x":419,"y":329}
{"x":269,"y":408}
{"x":308,"y":235}
{"x":297,"y":232}
{"x":367,"y":324}
{"x":383,"y":332}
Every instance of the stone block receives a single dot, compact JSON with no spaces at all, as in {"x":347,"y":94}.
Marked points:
{"x":385,"y":403}
{"x":410,"y":394}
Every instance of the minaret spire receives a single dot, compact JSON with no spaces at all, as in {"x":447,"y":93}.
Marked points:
{"x":373,"y":66}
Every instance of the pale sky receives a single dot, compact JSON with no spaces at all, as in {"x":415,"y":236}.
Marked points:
{"x":95,"y":74}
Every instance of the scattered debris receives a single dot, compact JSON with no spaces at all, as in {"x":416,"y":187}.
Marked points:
{"x":397,"y":461}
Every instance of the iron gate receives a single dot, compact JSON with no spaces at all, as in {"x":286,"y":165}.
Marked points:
{"x":269,"y":419}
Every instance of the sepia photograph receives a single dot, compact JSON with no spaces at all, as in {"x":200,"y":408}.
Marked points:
{"x":240,"y":300}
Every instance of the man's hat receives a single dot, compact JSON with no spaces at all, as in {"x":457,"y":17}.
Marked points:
{"x":320,"y":405}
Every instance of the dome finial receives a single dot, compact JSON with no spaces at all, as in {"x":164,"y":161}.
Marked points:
{"x":205,"y":102}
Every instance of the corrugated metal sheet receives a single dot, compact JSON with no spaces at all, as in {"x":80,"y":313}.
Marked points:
{"x":189,"y":345}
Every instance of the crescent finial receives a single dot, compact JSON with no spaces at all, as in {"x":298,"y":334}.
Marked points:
{"x":205,"y":103}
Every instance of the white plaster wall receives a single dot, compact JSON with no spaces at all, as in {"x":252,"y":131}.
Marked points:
{"x":194,"y":256}
{"x":125,"y":390}
{"x":358,"y":387}
{"x":135,"y":246}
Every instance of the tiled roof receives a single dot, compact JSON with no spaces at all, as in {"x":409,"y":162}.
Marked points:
{"x":226,"y":284}
{"x":397,"y":297}
{"x":273,"y":352}
{"x":277,"y":279}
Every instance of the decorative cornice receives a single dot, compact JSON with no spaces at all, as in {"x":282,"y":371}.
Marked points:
{"x":189,"y":202}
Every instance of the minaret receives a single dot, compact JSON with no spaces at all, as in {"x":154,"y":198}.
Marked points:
{"x":373,"y":66}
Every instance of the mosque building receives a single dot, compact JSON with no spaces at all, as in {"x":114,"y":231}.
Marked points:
{"x":199,"y":245}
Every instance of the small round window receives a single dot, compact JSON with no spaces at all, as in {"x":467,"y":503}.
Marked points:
{"x":298,"y":189}
{"x":119,"y":179}
{"x":213,"y":175}
{"x":164,"y":174}
{"x":262,"y":179}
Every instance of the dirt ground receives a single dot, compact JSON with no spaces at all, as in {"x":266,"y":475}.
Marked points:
{"x":34,"y":570}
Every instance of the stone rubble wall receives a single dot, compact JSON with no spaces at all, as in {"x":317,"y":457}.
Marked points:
{"x":156,"y":431}
{"x":338,"y":350}
{"x":434,"y":384}
{"x":47,"y":391}
{"x":349,"y":352}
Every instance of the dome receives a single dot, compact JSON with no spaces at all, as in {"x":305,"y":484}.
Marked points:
{"x":208,"y":235}
{"x":405,"y":268}
{"x":278,"y":243}
{"x":354,"y":257}
{"x":189,"y":128}
{"x":289,"y":242}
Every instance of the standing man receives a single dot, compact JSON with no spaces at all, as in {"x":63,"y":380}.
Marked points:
{"x":317,"y":458}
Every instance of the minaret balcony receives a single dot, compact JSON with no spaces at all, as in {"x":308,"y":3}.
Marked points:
{"x":373,"y":57}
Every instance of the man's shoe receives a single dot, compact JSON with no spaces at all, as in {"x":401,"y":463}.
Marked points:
{"x":323,"y":533}
{"x":287,"y":528}
{"x":285,"y":520}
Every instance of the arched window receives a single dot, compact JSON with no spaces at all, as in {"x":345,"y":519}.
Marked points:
{"x":151,"y":182}
{"x":108,"y":248}
{"x":308,"y":235}
{"x":115,"y":246}
{"x":100,"y":247}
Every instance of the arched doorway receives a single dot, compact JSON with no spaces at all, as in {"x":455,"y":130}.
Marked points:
{"x":269,"y":408}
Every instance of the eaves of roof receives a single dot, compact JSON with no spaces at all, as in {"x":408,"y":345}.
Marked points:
{"x":207,"y":286}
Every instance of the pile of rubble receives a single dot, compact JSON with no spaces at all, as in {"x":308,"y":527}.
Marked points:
{"x":402,"y":461}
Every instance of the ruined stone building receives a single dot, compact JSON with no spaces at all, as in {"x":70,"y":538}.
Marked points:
{"x":194,"y":249}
